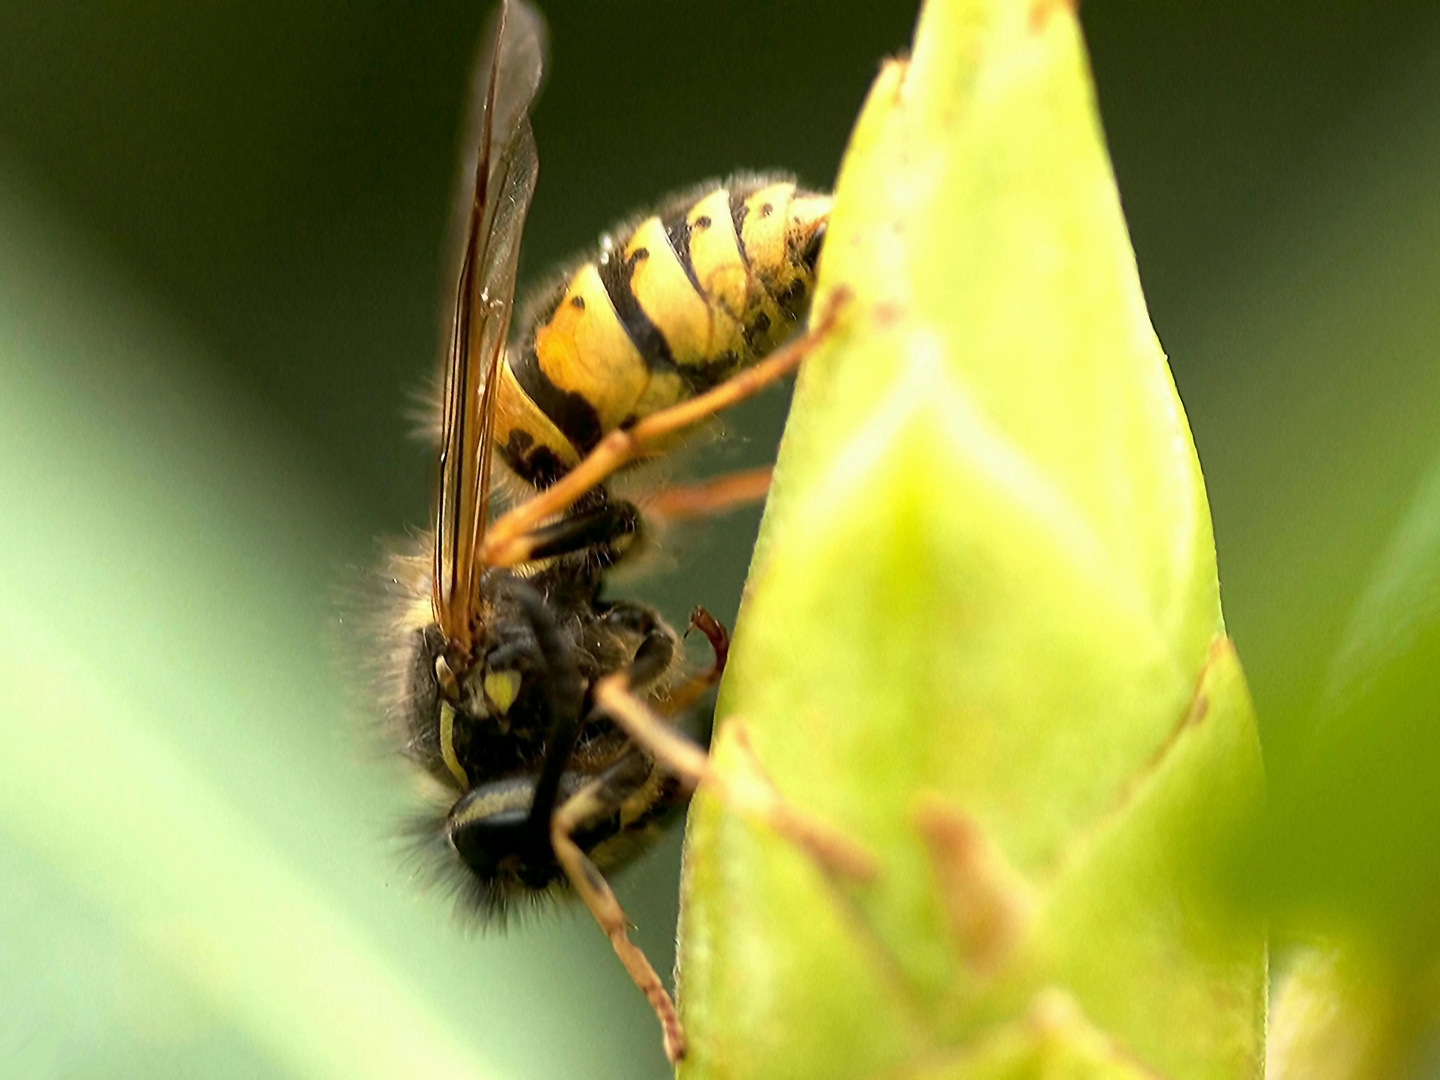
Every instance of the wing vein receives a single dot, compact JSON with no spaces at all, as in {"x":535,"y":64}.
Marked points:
{"x":496,"y":182}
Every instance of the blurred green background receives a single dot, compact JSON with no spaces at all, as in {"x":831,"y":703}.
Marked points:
{"x":220,"y":232}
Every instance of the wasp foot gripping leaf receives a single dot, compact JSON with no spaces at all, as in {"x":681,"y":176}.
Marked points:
{"x":982,"y":639}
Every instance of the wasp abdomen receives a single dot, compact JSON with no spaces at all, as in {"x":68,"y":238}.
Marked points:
{"x":687,"y":297}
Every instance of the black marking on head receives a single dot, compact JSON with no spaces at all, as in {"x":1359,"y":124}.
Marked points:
{"x":616,"y":275}
{"x":501,"y":847}
{"x":677,"y":232}
{"x":578,"y":302}
{"x":570,"y":412}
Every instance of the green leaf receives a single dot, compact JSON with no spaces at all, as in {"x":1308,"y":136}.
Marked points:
{"x":1353,"y":853}
{"x":1356,"y":838}
{"x":982,"y":633}
{"x":1338,"y":1017}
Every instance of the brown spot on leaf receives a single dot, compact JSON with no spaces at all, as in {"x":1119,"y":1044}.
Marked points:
{"x":987,"y":902}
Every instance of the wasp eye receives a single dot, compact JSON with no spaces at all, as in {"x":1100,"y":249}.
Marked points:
{"x":490,"y":828}
{"x":488,"y":844}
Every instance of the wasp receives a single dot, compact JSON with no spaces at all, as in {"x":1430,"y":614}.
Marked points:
{"x":540,"y":705}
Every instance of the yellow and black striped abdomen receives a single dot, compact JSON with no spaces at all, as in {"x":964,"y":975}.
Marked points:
{"x":676,"y":305}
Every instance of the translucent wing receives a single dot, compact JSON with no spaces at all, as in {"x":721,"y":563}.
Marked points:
{"x":496,"y":181}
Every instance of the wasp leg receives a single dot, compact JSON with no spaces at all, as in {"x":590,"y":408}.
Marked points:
{"x":599,"y":798}
{"x":693,"y":689}
{"x":651,"y":659}
{"x":601,"y":529}
{"x":657,"y":641}
{"x":507,"y":541}
{"x":712,"y":497}
{"x":659,"y":646}
{"x":748,"y":791}
{"x":564,"y":703}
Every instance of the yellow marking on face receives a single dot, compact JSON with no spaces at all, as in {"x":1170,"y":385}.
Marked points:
{"x":664,"y":292}
{"x":447,"y":744}
{"x":584,"y":349}
{"x":715,"y":253}
{"x":764,"y":231}
{"x":514,"y":411}
{"x":501,"y":689}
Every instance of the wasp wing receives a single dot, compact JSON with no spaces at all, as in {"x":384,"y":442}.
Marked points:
{"x":496,"y":181}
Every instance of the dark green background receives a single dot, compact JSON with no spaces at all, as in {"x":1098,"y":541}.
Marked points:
{"x":220,"y":228}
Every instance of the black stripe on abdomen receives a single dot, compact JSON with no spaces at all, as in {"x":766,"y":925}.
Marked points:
{"x":615,"y":274}
{"x":570,"y":412}
{"x":677,"y":231}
